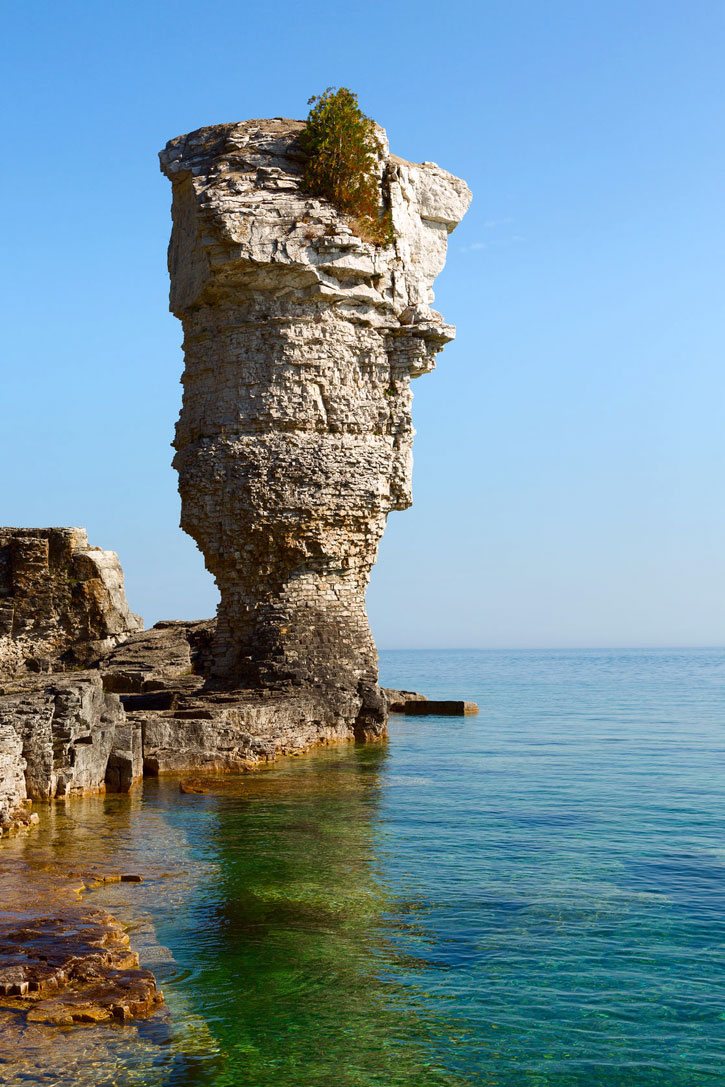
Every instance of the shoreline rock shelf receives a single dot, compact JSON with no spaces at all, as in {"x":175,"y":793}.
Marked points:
{"x":75,"y":966}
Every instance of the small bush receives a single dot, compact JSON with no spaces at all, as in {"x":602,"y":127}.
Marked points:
{"x":342,"y":162}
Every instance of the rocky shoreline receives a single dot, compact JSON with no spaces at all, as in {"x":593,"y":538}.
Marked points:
{"x":294,"y":443}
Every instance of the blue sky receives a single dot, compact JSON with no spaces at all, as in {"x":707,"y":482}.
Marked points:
{"x":570,"y":453}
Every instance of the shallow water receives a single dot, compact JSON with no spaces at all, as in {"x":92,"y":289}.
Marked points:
{"x":534,"y":896}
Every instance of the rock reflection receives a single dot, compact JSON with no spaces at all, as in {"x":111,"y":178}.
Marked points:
{"x":292,"y":948}
{"x":262,"y":914}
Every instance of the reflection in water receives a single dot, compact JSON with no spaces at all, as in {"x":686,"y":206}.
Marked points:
{"x":263,"y":916}
{"x":293,"y":933}
{"x":529,"y":898}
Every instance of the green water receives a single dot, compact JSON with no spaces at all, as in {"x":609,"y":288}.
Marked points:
{"x":530,"y":898}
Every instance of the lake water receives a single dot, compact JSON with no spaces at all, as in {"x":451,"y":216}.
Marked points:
{"x":533,"y":897}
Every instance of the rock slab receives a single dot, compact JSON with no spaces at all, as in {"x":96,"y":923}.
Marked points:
{"x":76,"y":967}
{"x":439,"y":708}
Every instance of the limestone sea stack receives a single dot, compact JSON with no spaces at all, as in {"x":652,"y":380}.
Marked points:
{"x":295,"y":435}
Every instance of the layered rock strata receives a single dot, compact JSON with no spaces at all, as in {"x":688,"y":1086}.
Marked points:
{"x":145,"y":709}
{"x":63,"y":735}
{"x":62,"y":603}
{"x":62,"y":608}
{"x":294,"y":441}
{"x":76,"y":967}
{"x":186,"y":725}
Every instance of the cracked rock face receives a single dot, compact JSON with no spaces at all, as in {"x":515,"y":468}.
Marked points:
{"x":295,"y":436}
{"x":62,"y":603}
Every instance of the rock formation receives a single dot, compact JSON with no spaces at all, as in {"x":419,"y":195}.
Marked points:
{"x":294,"y":441}
{"x":62,"y":603}
{"x":62,"y":607}
{"x":73,"y":968}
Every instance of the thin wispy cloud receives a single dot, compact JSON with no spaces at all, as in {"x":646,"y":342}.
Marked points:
{"x":493,"y":243}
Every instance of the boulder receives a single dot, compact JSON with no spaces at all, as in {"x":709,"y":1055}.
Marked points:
{"x":66,"y":725}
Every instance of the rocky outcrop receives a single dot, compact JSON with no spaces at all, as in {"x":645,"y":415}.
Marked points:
{"x":293,"y":445}
{"x":185,"y":726}
{"x":14,"y":803}
{"x":62,"y":607}
{"x":73,"y":968}
{"x":66,"y":727}
{"x":62,"y":603}
{"x":148,"y":661}
{"x":146,"y":709}
{"x":295,"y":436}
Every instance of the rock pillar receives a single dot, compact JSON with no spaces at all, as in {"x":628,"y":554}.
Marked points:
{"x":295,"y":436}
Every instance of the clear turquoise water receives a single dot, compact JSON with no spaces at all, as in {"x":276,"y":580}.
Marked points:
{"x":534,"y":897}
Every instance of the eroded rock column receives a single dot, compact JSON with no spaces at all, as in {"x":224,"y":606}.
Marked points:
{"x":295,"y":436}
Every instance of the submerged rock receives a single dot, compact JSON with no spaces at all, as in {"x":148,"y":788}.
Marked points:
{"x":73,"y":968}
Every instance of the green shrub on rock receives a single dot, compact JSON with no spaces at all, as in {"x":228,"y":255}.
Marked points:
{"x":343,"y":151}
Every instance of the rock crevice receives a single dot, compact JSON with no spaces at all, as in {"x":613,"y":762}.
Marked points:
{"x":62,"y":603}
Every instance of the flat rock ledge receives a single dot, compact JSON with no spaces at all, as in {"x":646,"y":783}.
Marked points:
{"x":418,"y":706}
{"x":147,"y":708}
{"x":73,"y":968}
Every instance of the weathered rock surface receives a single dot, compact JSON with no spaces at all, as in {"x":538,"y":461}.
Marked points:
{"x":13,"y":793}
{"x":237,"y":731}
{"x":418,"y":707}
{"x":76,"y":967}
{"x":295,"y":436}
{"x":74,"y":734}
{"x":62,"y":607}
{"x":66,"y":725}
{"x":62,"y":603}
{"x":148,"y":660}
{"x":396,"y":699}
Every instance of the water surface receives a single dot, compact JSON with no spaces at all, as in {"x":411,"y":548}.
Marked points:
{"x":534,"y":897}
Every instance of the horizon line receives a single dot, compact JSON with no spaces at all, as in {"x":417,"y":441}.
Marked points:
{"x":535,"y":648}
